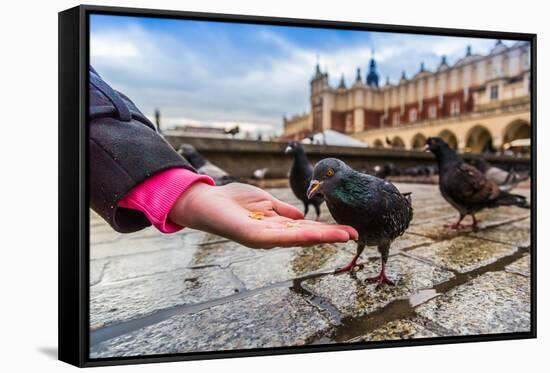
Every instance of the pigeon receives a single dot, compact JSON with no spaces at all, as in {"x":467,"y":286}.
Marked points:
{"x":505,"y":180}
{"x":374,"y":207}
{"x":465,"y":187}
{"x":388,"y":169}
{"x":203,"y":166}
{"x":260,"y":173}
{"x":300,"y":176}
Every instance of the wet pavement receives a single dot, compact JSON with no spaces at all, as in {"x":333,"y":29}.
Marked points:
{"x":189,"y":292}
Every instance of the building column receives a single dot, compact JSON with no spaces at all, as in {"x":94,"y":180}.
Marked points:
{"x":497,"y":142}
{"x":461,"y":143}
{"x":358,"y":120}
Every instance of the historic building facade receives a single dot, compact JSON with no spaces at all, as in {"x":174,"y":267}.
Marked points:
{"x":480,"y":103}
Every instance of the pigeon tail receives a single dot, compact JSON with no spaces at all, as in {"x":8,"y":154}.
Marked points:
{"x":509,"y":199}
{"x":407,"y":195}
{"x":512,"y":180}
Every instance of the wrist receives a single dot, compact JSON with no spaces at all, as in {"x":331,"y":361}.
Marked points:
{"x":185,"y":208}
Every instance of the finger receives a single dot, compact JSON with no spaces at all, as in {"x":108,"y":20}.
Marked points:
{"x":287,"y":210}
{"x":351,"y":231}
{"x":353,"y":234}
{"x":300,"y":236}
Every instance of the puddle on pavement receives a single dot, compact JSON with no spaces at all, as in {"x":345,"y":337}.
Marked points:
{"x":353,"y":327}
{"x":422,"y":296}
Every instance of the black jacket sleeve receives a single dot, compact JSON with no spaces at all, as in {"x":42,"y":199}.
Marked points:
{"x":124,"y":150}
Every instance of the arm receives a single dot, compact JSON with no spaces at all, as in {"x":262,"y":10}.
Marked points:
{"x":124,"y":151}
{"x":179,"y":198}
{"x":127,"y":156}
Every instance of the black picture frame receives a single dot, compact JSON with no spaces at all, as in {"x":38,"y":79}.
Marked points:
{"x":73,"y":252}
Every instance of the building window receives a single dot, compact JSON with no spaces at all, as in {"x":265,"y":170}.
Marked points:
{"x":432,"y":111}
{"x":494,"y":92}
{"x":413,"y":115}
{"x":396,"y":119}
{"x":455,"y":107}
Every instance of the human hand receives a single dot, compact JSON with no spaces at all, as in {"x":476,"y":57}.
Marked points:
{"x":225,"y":211}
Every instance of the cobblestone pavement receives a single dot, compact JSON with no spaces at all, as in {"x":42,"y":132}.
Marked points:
{"x":188,"y":292}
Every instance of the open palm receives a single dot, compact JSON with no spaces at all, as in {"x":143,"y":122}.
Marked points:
{"x":252,"y":217}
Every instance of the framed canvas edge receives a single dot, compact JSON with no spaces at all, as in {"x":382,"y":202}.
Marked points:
{"x":73,"y":298}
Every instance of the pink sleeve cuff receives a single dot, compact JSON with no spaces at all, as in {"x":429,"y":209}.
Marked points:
{"x":156,"y":196}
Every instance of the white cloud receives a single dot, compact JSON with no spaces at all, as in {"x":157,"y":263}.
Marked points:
{"x":216,"y":86}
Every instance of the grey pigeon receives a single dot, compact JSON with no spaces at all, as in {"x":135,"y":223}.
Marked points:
{"x":203,"y":166}
{"x":260,"y":173}
{"x":300,"y":176}
{"x":465,"y":187}
{"x":374,"y":207}
{"x":506,"y":180}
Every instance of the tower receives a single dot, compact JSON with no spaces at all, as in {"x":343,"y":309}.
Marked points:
{"x":342,"y":84}
{"x":319,"y":84}
{"x":372,"y":76}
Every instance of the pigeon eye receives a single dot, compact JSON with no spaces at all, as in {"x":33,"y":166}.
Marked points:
{"x":330,"y":172}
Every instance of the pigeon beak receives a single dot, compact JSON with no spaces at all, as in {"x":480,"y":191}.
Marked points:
{"x":426,"y":148}
{"x":313,"y":188}
{"x":288,"y":149}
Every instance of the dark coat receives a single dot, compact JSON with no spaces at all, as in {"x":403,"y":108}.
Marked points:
{"x":124,"y":150}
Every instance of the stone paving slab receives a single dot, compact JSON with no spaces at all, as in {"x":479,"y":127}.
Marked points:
{"x":403,"y":243}
{"x":222,"y":254}
{"x":126,"y":300}
{"x":107,"y":236}
{"x":406,"y":242}
{"x":353,"y":296}
{"x":283,"y":264}
{"x":396,"y":330}
{"x":125,"y":247}
{"x":463,"y":254}
{"x":489,"y":218}
{"x":521,"y":266}
{"x":97,"y":267}
{"x":435,"y":229}
{"x":496,"y":302}
{"x":274,"y":318}
{"x":518,"y":234}
{"x":427,"y":214}
{"x":523,"y":223}
{"x":145,"y":264}
{"x":500,"y":215}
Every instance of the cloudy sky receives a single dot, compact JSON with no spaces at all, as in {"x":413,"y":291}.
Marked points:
{"x":220,"y":74}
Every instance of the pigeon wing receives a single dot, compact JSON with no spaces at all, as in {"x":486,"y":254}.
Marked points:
{"x":472,"y":187}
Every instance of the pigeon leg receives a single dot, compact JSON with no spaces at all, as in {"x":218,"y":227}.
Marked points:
{"x":382,"y":279}
{"x":306,"y":209}
{"x":317,"y":211}
{"x":474,"y":223}
{"x":456,"y":225}
{"x":353,"y":263}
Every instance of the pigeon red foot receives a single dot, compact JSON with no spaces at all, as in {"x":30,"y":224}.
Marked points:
{"x":348,"y":267}
{"x":474,"y":223}
{"x":381,"y":279}
{"x":458,"y":225}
